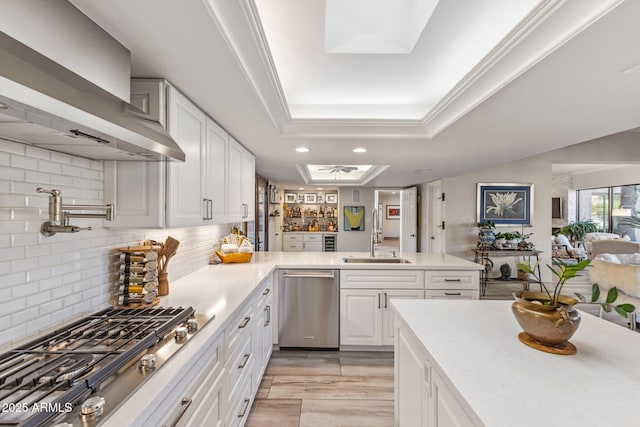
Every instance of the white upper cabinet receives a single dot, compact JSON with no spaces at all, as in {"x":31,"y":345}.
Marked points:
{"x":185,"y":202}
{"x":215,"y":156}
{"x":215,"y":185}
{"x":241,"y":195}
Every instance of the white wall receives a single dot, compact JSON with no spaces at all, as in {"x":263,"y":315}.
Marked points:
{"x":355,"y":241}
{"x":460,"y":212}
{"x":48,"y":280}
{"x":624,"y":175}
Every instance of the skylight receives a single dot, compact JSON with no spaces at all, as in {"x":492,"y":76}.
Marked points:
{"x":338,"y":174}
{"x":375,"y":26}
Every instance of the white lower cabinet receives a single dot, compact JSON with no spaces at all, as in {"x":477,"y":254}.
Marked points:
{"x":199,"y":401}
{"x":365,"y":316}
{"x":422,"y":396}
{"x":452,"y":284}
{"x":302,"y":243}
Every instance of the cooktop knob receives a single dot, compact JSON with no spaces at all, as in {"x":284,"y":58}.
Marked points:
{"x":180,"y":333}
{"x":93,"y":406}
{"x":148,"y":361}
{"x":192,"y":325}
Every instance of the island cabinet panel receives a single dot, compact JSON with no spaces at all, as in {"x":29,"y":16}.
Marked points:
{"x":422,"y":396}
{"x":365,"y":315}
{"x":413,"y":374}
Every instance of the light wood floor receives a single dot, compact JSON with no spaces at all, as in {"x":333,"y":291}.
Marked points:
{"x":323,"y":388}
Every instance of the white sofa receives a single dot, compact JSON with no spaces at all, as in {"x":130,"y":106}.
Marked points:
{"x":589,"y":238}
{"x":621,"y":271}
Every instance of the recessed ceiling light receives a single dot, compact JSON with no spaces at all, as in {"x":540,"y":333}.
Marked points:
{"x":301,"y":188}
{"x":302,"y":150}
{"x":320,"y":188}
{"x":359,"y":150}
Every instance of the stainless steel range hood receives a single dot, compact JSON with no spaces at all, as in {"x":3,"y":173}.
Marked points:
{"x":46,"y":104}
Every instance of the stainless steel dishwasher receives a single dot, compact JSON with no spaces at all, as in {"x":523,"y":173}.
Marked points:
{"x":308,"y":309}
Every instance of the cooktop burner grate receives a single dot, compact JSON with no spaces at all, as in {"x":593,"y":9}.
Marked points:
{"x":70,"y":363}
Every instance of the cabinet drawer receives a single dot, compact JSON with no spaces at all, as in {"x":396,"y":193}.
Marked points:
{"x":291,"y":246}
{"x":238,"y":328}
{"x":292,"y":238}
{"x":240,"y":404}
{"x":451,"y":280}
{"x":312,"y":238}
{"x":377,"y":279}
{"x":265,"y":292}
{"x":240,"y":365}
{"x":451,"y":294}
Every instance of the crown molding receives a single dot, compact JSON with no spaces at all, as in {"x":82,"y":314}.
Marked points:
{"x":552,"y":24}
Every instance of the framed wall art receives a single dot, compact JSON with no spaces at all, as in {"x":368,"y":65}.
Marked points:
{"x":331,"y":198}
{"x":309,"y":198}
{"x":354,"y":218}
{"x":505,"y":203}
{"x":393,"y":212}
{"x":290,"y":198}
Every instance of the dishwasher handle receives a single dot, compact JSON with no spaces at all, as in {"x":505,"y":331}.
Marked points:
{"x":309,"y":276}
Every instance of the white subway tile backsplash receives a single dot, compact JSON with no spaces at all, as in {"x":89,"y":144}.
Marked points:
{"x":37,"y":177}
{"x":68,"y":275}
{"x":24,"y":290}
{"x":24,"y":162}
{"x":8,"y":172}
{"x":13,"y":147}
{"x":60,"y":157}
{"x":49,"y":167}
{"x":38,"y":153}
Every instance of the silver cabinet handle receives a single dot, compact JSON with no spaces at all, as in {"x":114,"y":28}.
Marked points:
{"x":266,"y":291}
{"x":205,"y":203}
{"x":385,"y":300}
{"x":244,"y":410}
{"x":210,"y":209}
{"x":185,"y":403}
{"x":245,"y":361}
{"x":451,"y":280}
{"x":244,"y":323}
{"x":268,"y":310}
{"x":452,"y":293}
{"x":378,"y":300}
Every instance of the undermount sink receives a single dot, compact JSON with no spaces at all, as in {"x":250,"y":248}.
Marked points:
{"x":377,"y":260}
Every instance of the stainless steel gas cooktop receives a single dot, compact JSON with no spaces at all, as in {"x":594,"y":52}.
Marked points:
{"x":78,"y":374}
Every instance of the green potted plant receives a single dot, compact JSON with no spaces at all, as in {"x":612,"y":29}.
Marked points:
{"x":548,"y":318}
{"x":576,"y":231}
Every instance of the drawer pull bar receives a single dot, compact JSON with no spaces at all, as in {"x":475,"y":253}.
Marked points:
{"x":452,"y":293}
{"x":451,"y":280}
{"x":244,"y":410}
{"x":308,"y":276}
{"x":268,"y":310}
{"x":266,"y":291}
{"x":244,"y":322}
{"x":385,"y":300}
{"x":245,"y":361}
{"x":186,"y":402}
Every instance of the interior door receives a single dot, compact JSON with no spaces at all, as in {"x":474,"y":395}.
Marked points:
{"x":409,"y":220}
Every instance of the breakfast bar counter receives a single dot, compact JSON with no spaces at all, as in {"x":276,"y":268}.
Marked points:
{"x":471,"y":352}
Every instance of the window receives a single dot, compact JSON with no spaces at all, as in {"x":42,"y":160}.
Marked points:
{"x":610,"y":207}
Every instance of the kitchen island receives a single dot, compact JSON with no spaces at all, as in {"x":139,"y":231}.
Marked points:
{"x":234,"y":347}
{"x":461,"y":363}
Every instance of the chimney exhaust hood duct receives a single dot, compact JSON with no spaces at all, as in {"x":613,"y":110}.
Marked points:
{"x":48,"y":100}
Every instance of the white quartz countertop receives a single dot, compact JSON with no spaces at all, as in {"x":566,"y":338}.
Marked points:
{"x":219,"y":289}
{"x":509,"y":384}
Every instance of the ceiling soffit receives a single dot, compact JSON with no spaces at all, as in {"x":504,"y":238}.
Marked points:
{"x":545,"y":29}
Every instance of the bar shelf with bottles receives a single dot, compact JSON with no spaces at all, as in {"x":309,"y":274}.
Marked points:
{"x":322,"y":217}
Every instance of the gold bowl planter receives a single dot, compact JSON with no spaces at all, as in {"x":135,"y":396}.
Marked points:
{"x":545,"y":327}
